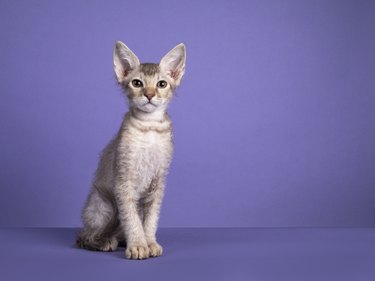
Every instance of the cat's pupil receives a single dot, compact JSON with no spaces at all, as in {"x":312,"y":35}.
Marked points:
{"x":162,"y":84}
{"x":137,"y":83}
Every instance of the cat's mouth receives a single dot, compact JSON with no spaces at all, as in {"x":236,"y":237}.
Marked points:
{"x":148,"y":106}
{"x":150,"y":103}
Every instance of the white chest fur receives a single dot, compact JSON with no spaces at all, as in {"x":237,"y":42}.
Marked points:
{"x":147,"y":154}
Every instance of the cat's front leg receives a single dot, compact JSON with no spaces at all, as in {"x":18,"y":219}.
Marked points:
{"x":136,"y":243}
{"x":151,"y":216}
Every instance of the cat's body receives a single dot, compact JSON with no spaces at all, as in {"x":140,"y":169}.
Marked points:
{"x":125,"y":199}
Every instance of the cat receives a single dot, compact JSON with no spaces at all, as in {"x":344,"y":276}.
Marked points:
{"x":124,"y":202}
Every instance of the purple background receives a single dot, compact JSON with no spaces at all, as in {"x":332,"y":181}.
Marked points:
{"x":274,"y":121}
{"x":199,"y":254}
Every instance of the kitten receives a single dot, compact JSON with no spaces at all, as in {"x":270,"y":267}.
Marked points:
{"x":126,"y":195}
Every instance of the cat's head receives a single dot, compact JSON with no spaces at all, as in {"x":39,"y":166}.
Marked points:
{"x":149,"y":86}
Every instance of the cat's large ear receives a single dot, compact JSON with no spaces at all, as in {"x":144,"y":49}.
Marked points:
{"x":124,"y":60}
{"x":173,"y":63}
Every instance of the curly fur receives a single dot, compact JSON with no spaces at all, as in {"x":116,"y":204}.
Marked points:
{"x":124,"y":202}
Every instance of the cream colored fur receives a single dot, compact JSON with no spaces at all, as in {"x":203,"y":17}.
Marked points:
{"x":127,"y":192}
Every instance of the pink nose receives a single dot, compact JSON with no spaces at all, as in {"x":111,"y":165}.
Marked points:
{"x":149,"y":94}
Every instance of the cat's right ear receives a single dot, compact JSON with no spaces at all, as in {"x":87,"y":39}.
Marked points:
{"x":124,"y":60}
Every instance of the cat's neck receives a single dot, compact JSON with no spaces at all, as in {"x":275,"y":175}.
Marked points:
{"x":157,"y":121}
{"x":156,"y":116}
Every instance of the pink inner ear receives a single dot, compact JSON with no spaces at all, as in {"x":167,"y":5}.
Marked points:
{"x":175,"y":74}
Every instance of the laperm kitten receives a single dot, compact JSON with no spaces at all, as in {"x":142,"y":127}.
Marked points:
{"x":124,"y":202}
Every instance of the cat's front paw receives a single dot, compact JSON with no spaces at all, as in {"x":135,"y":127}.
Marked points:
{"x":137,"y":252}
{"x":155,"y":249}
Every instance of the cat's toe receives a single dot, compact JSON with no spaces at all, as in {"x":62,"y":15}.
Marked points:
{"x":109,"y":246}
{"x":137,"y":252}
{"x":155,"y":249}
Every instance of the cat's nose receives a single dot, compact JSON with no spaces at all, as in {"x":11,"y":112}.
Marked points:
{"x":149,"y":94}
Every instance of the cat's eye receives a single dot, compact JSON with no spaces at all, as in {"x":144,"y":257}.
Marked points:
{"x":137,"y":83}
{"x":162,"y":84}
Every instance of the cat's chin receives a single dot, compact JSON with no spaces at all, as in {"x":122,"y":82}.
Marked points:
{"x":148,"y":107}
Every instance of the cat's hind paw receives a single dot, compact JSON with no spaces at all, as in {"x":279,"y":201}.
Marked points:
{"x":109,"y":245}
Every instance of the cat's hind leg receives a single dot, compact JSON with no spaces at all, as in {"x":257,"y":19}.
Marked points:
{"x":100,"y":222}
{"x":105,"y":244}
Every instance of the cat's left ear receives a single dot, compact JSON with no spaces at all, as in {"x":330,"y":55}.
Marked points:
{"x":173,"y":63}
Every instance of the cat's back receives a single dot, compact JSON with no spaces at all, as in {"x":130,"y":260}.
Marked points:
{"x":105,"y":172}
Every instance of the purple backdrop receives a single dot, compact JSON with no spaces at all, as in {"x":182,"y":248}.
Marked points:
{"x":274,"y":122}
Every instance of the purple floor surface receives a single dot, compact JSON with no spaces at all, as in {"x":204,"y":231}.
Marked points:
{"x":196,"y":254}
